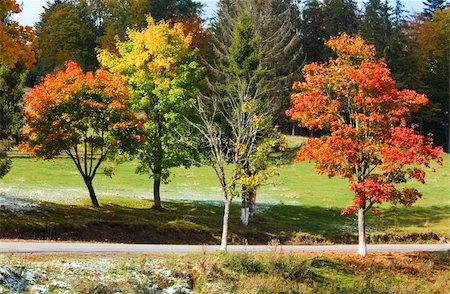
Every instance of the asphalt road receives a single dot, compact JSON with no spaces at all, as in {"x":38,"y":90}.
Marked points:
{"x":54,"y":247}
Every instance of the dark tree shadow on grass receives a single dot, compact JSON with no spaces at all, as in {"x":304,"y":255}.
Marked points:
{"x":200,"y":223}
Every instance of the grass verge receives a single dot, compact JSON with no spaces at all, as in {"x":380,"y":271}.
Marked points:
{"x":226,"y":273}
{"x":131,"y":221}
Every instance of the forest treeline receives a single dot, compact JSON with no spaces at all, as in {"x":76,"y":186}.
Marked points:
{"x":290,"y":33}
{"x":415,"y":47}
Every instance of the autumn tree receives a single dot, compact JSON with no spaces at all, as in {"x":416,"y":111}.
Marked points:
{"x":160,"y":69}
{"x":17,"y":54}
{"x":16,"y":41}
{"x":368,"y":139}
{"x":84,"y":116}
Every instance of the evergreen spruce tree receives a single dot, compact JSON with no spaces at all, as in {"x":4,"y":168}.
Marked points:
{"x":376,"y":26}
{"x":312,"y":31}
{"x":430,"y":6}
{"x":276,"y":26}
{"x":340,"y":16}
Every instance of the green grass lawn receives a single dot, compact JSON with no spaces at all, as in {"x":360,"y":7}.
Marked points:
{"x":295,"y":204}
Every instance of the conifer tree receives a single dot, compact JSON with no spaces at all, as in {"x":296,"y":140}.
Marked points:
{"x":430,"y":6}
{"x":312,"y":31}
{"x":340,"y":16}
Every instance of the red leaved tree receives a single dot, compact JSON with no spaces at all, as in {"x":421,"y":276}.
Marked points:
{"x":82,"y":115}
{"x":353,"y":100}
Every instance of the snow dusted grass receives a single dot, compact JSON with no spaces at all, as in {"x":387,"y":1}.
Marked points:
{"x":225,"y":273}
{"x":89,"y":275}
{"x":15,"y":204}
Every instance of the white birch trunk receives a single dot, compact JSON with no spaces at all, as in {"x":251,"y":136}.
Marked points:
{"x":226,"y":216}
{"x":245,"y":214}
{"x":362,"y":248}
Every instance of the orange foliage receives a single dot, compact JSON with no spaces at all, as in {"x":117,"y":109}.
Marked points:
{"x":17,"y":42}
{"x":70,"y":107}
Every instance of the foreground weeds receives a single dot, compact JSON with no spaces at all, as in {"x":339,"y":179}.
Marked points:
{"x":226,"y":273}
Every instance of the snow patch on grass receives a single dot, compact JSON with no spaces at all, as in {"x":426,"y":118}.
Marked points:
{"x":92,"y":276}
{"x":15,"y":204}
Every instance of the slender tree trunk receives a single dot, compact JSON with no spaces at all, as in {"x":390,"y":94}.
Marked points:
{"x":362,"y":248}
{"x":226,"y":216}
{"x":156,"y":192}
{"x":245,"y":211}
{"x":293,"y":130}
{"x":91,"y":190}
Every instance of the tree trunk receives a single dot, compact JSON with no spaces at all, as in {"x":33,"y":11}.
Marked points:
{"x":252,"y":205}
{"x":293,"y":130}
{"x":156,"y":192}
{"x":226,"y":216}
{"x":362,"y":248}
{"x":94,"y":200}
{"x":245,"y":211}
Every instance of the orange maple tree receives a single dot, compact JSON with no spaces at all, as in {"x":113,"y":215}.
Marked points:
{"x":17,"y":43}
{"x":83,"y":115}
{"x":353,"y":100}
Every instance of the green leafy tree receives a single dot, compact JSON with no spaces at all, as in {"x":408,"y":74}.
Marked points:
{"x":163,"y":76}
{"x":376,"y":26}
{"x":82,"y":115}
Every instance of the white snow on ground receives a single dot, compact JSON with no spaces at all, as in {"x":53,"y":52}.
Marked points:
{"x":94,"y":276}
{"x":16,"y":205}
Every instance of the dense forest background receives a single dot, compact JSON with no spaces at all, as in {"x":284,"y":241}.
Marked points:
{"x":289,"y":34}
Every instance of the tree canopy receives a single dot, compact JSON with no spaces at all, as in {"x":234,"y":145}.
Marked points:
{"x":83,"y":115}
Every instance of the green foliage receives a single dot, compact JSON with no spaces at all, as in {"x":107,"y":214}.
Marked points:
{"x":339,"y":17}
{"x":11,"y":91}
{"x":244,"y":59}
{"x":276,"y":40}
{"x":5,"y":162}
{"x":313,"y":31}
{"x":376,"y":26}
{"x":66,"y":32}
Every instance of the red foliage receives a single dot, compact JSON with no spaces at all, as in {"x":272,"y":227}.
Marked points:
{"x":354,"y":101}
